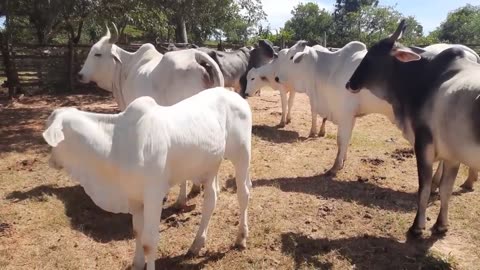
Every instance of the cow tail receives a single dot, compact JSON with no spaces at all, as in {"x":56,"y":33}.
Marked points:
{"x":215,"y":74}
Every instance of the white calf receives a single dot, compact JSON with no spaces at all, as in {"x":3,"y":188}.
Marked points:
{"x":127,"y":162}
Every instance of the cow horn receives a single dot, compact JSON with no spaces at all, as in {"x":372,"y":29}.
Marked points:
{"x":108,"y":31}
{"x":398,"y":33}
{"x":114,"y":37}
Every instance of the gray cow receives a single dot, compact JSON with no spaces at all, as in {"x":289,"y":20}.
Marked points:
{"x":437,"y":106}
{"x":236,"y":64}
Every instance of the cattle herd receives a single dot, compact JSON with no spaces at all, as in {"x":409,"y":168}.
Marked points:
{"x":178,"y":121}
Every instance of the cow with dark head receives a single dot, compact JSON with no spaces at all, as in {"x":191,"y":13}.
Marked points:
{"x":437,"y":106}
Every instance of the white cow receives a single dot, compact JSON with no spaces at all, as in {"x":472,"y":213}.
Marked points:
{"x":167,"y":78}
{"x":325,"y":72}
{"x":265,"y":76}
{"x":322,"y":74}
{"x":127,"y":162}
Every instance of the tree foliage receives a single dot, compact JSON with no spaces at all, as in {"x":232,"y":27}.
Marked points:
{"x":169,"y":20}
{"x":461,"y":26}
{"x":309,"y":22}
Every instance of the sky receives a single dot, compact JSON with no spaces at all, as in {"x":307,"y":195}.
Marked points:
{"x":430,"y":13}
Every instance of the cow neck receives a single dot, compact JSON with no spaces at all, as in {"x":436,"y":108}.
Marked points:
{"x":119,"y":75}
{"x":410,"y":87}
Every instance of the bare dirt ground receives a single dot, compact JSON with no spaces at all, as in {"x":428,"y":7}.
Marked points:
{"x":299,"y":218}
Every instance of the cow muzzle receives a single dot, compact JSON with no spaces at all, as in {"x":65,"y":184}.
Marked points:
{"x":348,"y":86}
{"x":82,"y":78}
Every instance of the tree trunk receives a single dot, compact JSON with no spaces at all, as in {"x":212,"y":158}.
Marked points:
{"x":181,"y":30}
{"x":71,"y":66}
{"x":10,"y":70}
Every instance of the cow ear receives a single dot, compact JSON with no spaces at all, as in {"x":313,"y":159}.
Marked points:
{"x":298,"y":57}
{"x":405,"y":55}
{"x":54,"y":134}
{"x":116,"y":57}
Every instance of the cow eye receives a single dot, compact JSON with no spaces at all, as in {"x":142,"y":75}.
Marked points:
{"x":97,"y":54}
{"x":291,"y":57}
{"x":252,"y":79}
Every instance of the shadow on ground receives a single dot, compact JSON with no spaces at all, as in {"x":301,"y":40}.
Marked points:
{"x":22,"y":125}
{"x":273,"y":134}
{"x":365,"y":252}
{"x":365,"y":193}
{"x":86,"y":217}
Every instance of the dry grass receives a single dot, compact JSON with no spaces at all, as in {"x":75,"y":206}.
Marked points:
{"x":298,"y":217}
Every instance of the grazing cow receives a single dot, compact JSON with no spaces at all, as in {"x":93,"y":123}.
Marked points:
{"x":436,"y":105}
{"x":167,"y":78}
{"x":127,"y":162}
{"x":322,"y":74}
{"x":263,"y":76}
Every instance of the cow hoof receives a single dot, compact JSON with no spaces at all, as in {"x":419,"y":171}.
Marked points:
{"x":415,"y":232}
{"x":289,"y":121}
{"x":138,"y":266}
{"x":179,"y":205}
{"x":439,"y":229}
{"x":321,"y":133}
{"x":467,"y":186}
{"x":241,"y":242}
{"x":331,"y":172}
{"x":281,"y":125}
{"x":312,"y":134}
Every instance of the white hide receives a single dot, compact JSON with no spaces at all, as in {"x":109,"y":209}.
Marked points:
{"x":127,"y":162}
{"x":264,"y":76}
{"x":323,"y":75}
{"x":167,"y":78}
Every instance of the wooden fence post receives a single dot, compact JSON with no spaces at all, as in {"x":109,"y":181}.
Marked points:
{"x":8,"y":62}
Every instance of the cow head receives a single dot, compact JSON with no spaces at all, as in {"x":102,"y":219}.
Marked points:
{"x":285,"y":68}
{"x":256,"y":80}
{"x":376,"y":66}
{"x":101,"y":60}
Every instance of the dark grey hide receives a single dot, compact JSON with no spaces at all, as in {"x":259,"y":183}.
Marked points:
{"x":436,"y":101}
{"x":232,"y":64}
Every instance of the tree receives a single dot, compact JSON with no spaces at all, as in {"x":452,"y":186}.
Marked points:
{"x":461,"y":26}
{"x":375,"y":23}
{"x":309,"y":22}
{"x":43,"y":15}
{"x":344,"y":15}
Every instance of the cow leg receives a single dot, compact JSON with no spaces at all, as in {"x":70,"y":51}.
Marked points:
{"x":244,"y":185}
{"x":182,"y":196}
{"x":210,"y":200}
{"x":424,"y":152}
{"x":283,"y":99}
{"x":472,"y":177}
{"x":437,"y":177}
{"x":321,"y":133}
{"x":291,"y":98}
{"x":343,"y":139}
{"x":152,"y":211}
{"x":313,"y":129}
{"x":450,"y":170}
{"x":136,"y":209}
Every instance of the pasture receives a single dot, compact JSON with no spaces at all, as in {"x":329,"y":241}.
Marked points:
{"x":299,"y":218}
